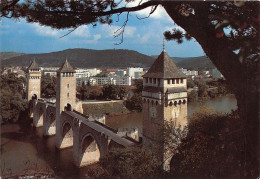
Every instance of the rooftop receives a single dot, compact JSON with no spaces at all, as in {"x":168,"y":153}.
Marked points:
{"x":66,"y":68}
{"x":33,"y":66}
{"x":164,"y":67}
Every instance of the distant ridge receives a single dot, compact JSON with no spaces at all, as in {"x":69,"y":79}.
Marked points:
{"x":100,"y":59}
{"x":85,"y":58}
{"x":7,"y":55}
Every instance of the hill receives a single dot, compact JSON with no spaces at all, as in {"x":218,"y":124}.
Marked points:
{"x":196,"y":63}
{"x":85,"y":58}
{"x":7,"y":55}
{"x":101,"y":59}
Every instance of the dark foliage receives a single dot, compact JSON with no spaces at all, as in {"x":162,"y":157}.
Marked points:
{"x":212,"y":149}
{"x":48,"y":86}
{"x":131,"y":162}
{"x":135,"y":102}
{"x":114,"y":92}
{"x":12,"y":93}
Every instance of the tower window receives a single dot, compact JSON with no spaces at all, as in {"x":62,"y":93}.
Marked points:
{"x":177,"y":81}
{"x":154,"y":80}
{"x":68,"y":94}
{"x":150,"y":80}
{"x":146,"y":80}
{"x":169,"y":81}
{"x":173,"y":81}
{"x":68,"y":85}
{"x":181,"y":80}
{"x":159,"y":81}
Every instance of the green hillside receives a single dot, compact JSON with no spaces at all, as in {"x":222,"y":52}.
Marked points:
{"x":7,"y":55}
{"x":86,"y":58}
{"x":100,"y":59}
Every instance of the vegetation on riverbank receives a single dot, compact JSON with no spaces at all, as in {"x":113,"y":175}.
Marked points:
{"x":12,"y":101}
{"x":212,"y":148}
{"x":207,"y":89}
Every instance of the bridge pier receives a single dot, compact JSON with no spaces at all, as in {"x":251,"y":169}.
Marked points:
{"x":49,"y":121}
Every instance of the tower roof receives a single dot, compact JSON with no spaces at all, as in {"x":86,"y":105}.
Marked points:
{"x":66,"y":67}
{"x":33,"y":66}
{"x":164,"y":67}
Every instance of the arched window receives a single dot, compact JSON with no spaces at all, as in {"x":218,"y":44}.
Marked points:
{"x":68,"y":85}
{"x":68,"y":94}
{"x":184,"y":101}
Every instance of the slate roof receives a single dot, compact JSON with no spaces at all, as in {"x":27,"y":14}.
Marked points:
{"x":164,"y":67}
{"x":154,"y":89}
{"x":33,"y":66}
{"x":66,"y":68}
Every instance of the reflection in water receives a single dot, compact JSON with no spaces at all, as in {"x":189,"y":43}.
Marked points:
{"x":24,"y":147}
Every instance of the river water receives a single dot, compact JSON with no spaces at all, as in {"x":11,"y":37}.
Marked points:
{"x":24,"y":148}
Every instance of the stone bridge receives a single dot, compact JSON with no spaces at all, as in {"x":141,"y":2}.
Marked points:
{"x":90,"y":139}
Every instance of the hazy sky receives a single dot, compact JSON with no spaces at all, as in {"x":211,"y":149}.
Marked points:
{"x":144,"y":36}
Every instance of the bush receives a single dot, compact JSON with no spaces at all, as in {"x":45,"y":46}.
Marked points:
{"x":135,"y":103}
{"x":12,"y":102}
{"x":193,"y":96}
{"x":132,"y":162}
{"x":212,"y":149}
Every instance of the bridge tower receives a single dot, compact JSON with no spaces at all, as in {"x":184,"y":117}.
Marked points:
{"x":164,"y":99}
{"x":65,"y":96}
{"x":33,"y":90}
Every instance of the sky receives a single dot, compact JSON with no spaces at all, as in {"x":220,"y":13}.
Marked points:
{"x":144,"y":36}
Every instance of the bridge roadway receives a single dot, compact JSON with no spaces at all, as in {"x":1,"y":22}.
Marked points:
{"x":104,"y":130}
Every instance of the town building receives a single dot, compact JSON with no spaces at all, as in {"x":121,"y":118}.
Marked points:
{"x":111,"y":79}
{"x":134,"y":72}
{"x":164,"y":98}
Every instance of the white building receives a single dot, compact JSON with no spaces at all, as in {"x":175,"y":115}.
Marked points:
{"x":115,"y":80}
{"x":134,"y":72}
{"x":120,"y":72}
{"x":93,"y":71}
{"x":52,"y":71}
{"x":189,"y":72}
{"x":82,"y":73}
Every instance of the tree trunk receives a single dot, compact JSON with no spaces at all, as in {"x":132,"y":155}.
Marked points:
{"x":247,"y":95}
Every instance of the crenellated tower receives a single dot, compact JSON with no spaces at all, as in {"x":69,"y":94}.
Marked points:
{"x":65,"y":95}
{"x":164,"y":99}
{"x":33,"y":75}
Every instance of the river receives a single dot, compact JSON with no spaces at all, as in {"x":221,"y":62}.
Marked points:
{"x":23,"y":147}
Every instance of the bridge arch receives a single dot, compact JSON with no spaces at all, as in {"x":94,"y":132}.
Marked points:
{"x":38,"y":114}
{"x":66,"y":135}
{"x":89,"y":150}
{"x":49,"y":121}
